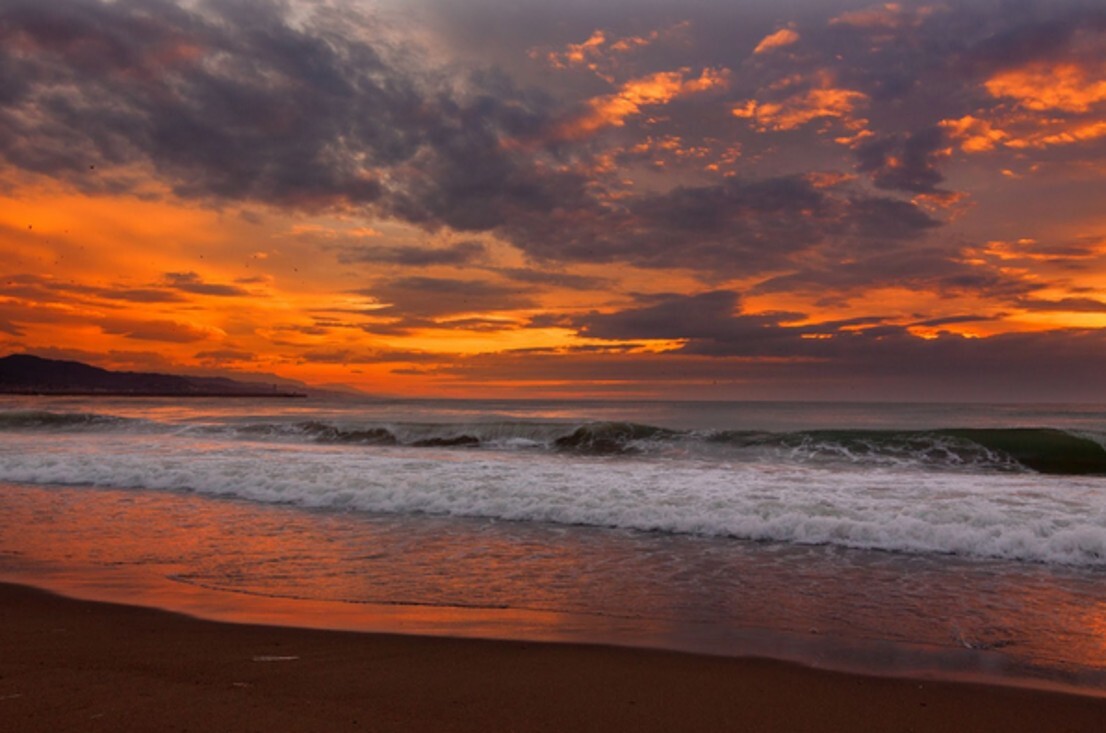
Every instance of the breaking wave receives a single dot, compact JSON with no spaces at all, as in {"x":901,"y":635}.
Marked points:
{"x":1036,"y":449}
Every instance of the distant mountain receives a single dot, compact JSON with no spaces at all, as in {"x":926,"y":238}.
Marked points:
{"x":26,"y":374}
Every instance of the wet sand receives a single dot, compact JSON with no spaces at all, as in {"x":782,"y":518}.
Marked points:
{"x":77,"y":665}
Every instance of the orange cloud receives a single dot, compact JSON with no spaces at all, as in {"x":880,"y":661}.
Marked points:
{"x":821,"y":103}
{"x":575,"y":54}
{"x":975,"y":135}
{"x":1064,"y":134}
{"x":598,"y":52}
{"x":884,"y":15}
{"x":611,"y":110}
{"x":1020,"y":132}
{"x":1043,"y":87}
{"x":779,"y":39}
{"x":887,"y":16}
{"x":1052,"y":104}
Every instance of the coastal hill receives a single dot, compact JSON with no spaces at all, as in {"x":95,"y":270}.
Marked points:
{"x":26,"y":374}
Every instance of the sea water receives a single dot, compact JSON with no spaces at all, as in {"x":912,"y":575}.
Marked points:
{"x":919,"y":539}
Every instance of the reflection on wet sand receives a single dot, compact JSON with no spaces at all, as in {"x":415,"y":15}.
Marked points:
{"x":845,"y":609}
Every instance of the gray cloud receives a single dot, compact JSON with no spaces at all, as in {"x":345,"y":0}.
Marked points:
{"x":220,"y":356}
{"x":904,"y":163}
{"x":1062,"y":365}
{"x":928,"y":268}
{"x":552,"y":278}
{"x":1070,"y":305}
{"x":427,"y":298}
{"x":708,"y":316}
{"x":44,"y":289}
{"x":459,"y":253}
{"x":190,"y":282}
{"x":739,"y":226}
{"x":154,"y":330}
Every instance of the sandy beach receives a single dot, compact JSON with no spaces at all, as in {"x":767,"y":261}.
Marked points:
{"x":76,"y":665}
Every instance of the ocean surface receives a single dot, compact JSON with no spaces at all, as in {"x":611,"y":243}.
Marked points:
{"x":943,"y":540}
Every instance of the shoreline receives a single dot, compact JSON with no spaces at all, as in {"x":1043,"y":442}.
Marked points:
{"x":894,"y":660}
{"x":69,"y":664}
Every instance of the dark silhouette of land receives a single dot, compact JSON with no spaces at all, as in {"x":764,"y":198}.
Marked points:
{"x":33,"y":375}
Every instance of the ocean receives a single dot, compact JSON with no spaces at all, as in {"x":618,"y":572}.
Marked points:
{"x":953,"y":541}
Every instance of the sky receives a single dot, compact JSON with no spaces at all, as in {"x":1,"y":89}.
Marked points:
{"x":637,"y":199}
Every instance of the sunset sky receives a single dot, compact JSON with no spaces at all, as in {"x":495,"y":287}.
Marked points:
{"x":701,"y":199}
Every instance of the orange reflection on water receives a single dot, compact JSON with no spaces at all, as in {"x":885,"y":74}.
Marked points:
{"x":228,"y":561}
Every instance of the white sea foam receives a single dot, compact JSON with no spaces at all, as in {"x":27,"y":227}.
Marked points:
{"x":1016,"y":516}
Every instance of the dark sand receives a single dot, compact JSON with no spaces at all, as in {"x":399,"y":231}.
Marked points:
{"x":75,"y":665}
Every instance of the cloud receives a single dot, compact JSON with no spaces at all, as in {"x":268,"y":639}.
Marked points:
{"x":459,"y":253}
{"x":713,"y":325}
{"x":550,"y":278}
{"x":239,"y":101}
{"x":931,"y":269}
{"x":317,"y":111}
{"x":904,"y":163}
{"x":10,"y":328}
{"x":601,"y":53}
{"x":952,"y":320}
{"x":781,"y":38}
{"x":1048,"y":87}
{"x":1061,"y":365}
{"x":738,"y":226}
{"x":974,"y":134}
{"x":190,"y":282}
{"x":433,"y":297}
{"x":820,"y":102}
{"x":885,"y":16}
{"x":224,"y":356}
{"x":711,"y":316}
{"x":634,"y":96}
{"x":1066,"y":305}
{"x":153,"y":330}
{"x":39,"y":288}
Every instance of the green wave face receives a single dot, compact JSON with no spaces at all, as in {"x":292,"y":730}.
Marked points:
{"x":1046,"y":450}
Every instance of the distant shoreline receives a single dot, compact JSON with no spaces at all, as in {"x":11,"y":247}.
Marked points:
{"x":89,"y":393}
